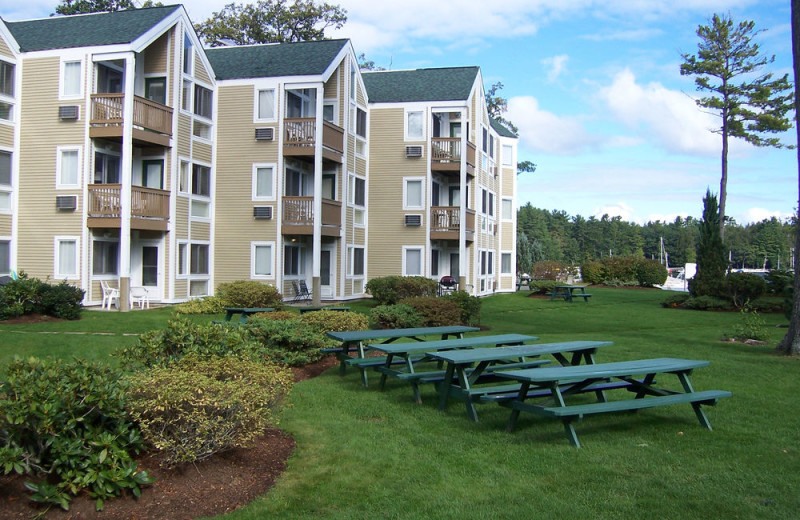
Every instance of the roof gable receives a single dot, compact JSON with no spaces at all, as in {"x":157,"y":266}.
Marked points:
{"x":87,"y":30}
{"x":401,"y":86}
{"x":502,"y":129}
{"x":274,"y":60}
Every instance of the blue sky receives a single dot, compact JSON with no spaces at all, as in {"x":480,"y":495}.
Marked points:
{"x":595,"y":89}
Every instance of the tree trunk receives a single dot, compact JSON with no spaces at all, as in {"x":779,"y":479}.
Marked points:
{"x":791,"y":342}
{"x":723,"y":182}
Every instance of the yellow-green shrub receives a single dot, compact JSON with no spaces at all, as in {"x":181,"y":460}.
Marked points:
{"x":278,"y":315}
{"x":208,"y":305}
{"x":249,"y":293}
{"x":335,"y":321}
{"x":196,"y":408}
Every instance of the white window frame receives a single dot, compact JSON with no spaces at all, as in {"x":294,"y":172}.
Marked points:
{"x":187,"y":96}
{"x":510,"y":263}
{"x":112,"y":276}
{"x":190,"y":61}
{"x":421,"y":250}
{"x":510,"y":204}
{"x":407,"y":136}
{"x":198,"y":277}
{"x":351,"y":190}
{"x":257,"y":105}
{"x":8,"y":189}
{"x":351,"y":261}
{"x":10,"y":100}
{"x":7,"y":239}
{"x":421,"y":181}
{"x":184,"y":176}
{"x":271,"y":274}
{"x":201,"y":198}
{"x":57,"y":274}
{"x":182,"y":268}
{"x":59,"y":158}
{"x":508,"y":155}
{"x":62,"y":80}
{"x":271,"y":196}
{"x":335,"y":104}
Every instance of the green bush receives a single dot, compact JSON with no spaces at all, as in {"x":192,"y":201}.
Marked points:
{"x":621,"y":268}
{"x":650,"y":272}
{"x":750,"y":327}
{"x":705,"y":303}
{"x":289,"y":343}
{"x":675,"y":300}
{"x":779,"y":282}
{"x":335,"y":321}
{"x":744,"y":287}
{"x":159,"y":348}
{"x":592,"y":272}
{"x":207,"y":305}
{"x":389,"y":290}
{"x":248,"y":293}
{"x":197,"y":408}
{"x":30,"y":295}
{"x":399,"y":316}
{"x":284,"y":315}
{"x":62,"y":301}
{"x":543,"y":286}
{"x":435,"y":312}
{"x":549,"y":270}
{"x":470,"y":306}
{"x":66,"y":420}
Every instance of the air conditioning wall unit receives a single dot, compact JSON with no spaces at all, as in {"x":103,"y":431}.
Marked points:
{"x":414,"y":151}
{"x":413,"y":220}
{"x":265,"y":134}
{"x":66,"y":202}
{"x":262,"y":212}
{"x":68,"y":112}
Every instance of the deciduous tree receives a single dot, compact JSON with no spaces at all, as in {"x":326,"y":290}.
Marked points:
{"x":751,"y":105}
{"x":92,"y":6}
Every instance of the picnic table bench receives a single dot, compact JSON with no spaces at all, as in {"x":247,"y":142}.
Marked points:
{"x":353,"y":341}
{"x":464,"y":387}
{"x":570,"y":292}
{"x":561,"y":381}
{"x":413,"y":353}
{"x":244,"y":311}
{"x":304,"y":310}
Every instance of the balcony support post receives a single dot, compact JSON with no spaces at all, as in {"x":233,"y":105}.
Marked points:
{"x":126,"y":178}
{"x":462,"y":212}
{"x":316,"y":267}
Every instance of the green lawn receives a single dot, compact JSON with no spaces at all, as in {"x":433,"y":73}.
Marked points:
{"x":362,"y":453}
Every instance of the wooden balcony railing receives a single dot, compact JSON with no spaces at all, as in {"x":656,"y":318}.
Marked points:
{"x":300,"y":138}
{"x":446,"y":153}
{"x":107,"y":110}
{"x":300,"y":211}
{"x":149,"y":203}
{"x":446,"y":222}
{"x":299,"y":131}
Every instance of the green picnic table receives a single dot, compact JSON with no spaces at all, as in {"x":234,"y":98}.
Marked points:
{"x":245,"y":312}
{"x":561,"y":382}
{"x":570,"y":292}
{"x":460,"y":364}
{"x":353,"y":340}
{"x":414,"y":353}
{"x":304,"y":310}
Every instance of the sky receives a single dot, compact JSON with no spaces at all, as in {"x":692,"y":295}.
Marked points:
{"x":594,"y":87}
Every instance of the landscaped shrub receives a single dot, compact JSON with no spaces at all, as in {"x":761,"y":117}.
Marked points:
{"x":398,"y":316}
{"x":289,"y":343}
{"x":30,"y":295}
{"x":675,"y":300}
{"x":592,"y":272}
{"x":278,"y":315}
{"x":248,"y":293}
{"x":650,"y":272}
{"x":62,"y":301}
{"x":779,"y":282}
{"x":705,"y":303}
{"x":622,"y":268}
{"x":66,"y":421}
{"x":435,"y":312}
{"x":750,"y":326}
{"x":335,"y":321}
{"x":182,"y":337}
{"x":207,"y":305}
{"x":549,"y":270}
{"x":744,"y":287}
{"x":196,"y":408}
{"x":389,"y":290}
{"x":543,"y":286}
{"x":470,"y":306}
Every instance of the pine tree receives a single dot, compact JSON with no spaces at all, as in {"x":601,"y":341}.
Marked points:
{"x":711,"y":261}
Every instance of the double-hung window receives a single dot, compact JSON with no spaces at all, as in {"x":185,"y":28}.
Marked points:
{"x":415,"y":129}
{"x":356,"y":267}
{"x":68,"y":167}
{"x":5,"y":257}
{"x":105,"y":257}
{"x":412,"y":261}
{"x":5,"y":181}
{"x":198,"y":259}
{"x":66,"y":258}
{"x":293,"y":261}
{"x":263,"y":182}
{"x":106,"y":168}
{"x":71,"y":79}
{"x":201,"y":191}
{"x":412,"y":193}
{"x":203,"y":100}
{"x":506,"y":209}
{"x":262,"y":260}
{"x":505,"y":263}
{"x":6,"y":91}
{"x":265,"y":104}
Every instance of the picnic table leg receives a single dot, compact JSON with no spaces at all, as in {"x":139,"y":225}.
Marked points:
{"x":388,"y":365}
{"x":698,"y":411}
{"x":512,"y":420}
{"x":464,"y":382}
{"x":571,"y":434}
{"x":444,"y":390}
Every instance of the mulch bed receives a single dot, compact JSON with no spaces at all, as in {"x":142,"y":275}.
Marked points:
{"x":212,"y":487}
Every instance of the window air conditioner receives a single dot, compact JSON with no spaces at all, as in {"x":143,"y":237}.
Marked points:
{"x":414,"y":151}
{"x":66,"y":202}
{"x":413,"y":220}
{"x":68,"y":112}
{"x":264,"y":212}
{"x":265,"y":134}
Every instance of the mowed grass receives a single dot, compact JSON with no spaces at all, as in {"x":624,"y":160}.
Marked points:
{"x":362,"y":453}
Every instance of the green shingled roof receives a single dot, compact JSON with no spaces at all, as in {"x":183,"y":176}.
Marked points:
{"x":501,"y":129}
{"x":399,"y":86}
{"x":63,"y":32}
{"x":280,"y":59}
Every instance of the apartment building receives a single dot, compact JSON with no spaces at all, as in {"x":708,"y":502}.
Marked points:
{"x":131,"y":155}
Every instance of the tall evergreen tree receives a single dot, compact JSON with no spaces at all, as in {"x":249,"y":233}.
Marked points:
{"x":711,"y":259}
{"x":749,"y":110}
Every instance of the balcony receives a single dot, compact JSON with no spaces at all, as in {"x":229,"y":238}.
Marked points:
{"x":152,"y":122}
{"x":149,"y":207}
{"x":298,"y":216}
{"x":300,"y":139}
{"x":446,"y":223}
{"x":446,"y":155}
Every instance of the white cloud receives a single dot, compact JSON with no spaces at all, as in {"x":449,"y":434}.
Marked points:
{"x":543,"y":131}
{"x":629,"y":35}
{"x":759,"y":214}
{"x":556,"y":65}
{"x":620,"y":209}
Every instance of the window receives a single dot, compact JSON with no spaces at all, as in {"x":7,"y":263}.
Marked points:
{"x":198,"y":261}
{"x":507,"y":154}
{"x":353,"y":82}
{"x":434,"y":262}
{"x":106,"y":168}
{"x":414,"y":127}
{"x":329,"y":112}
{"x":203,"y":100}
{"x":357,"y":195}
{"x":186,"y":95}
{"x":483,"y":262}
{"x":5,"y":181}
{"x":266,"y":104}
{"x":361,"y":123}
{"x":188,"y":55}
{"x":490,"y":262}
{"x":293,"y":261}
{"x":356,"y":267}
{"x":412,"y":261}
{"x":6,"y":90}
{"x":71,"y":85}
{"x":262,"y":260}
{"x":183,"y":177}
{"x":201,"y":180}
{"x":155,"y":89}
{"x":152,"y":175}
{"x":506,"y":209}
{"x":412,"y":193}
{"x":105,"y":257}
{"x":329,"y":185}
{"x":505,"y":263}
{"x":491,"y":204}
{"x":484,"y":200}
{"x":66,"y":257}
{"x":263,"y":182}
{"x":183,"y":264}
{"x":491,"y":145}
{"x":5,"y":257}
{"x":485,"y":141}
{"x":68,"y":167}
{"x":198,"y":288}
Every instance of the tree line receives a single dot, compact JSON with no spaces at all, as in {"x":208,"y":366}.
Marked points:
{"x":556,"y":235}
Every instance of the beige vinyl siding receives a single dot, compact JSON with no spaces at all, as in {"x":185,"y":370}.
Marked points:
{"x":202,"y":152}
{"x":181,"y":225}
{"x":40,"y":133}
{"x":181,"y":288}
{"x":184,"y":136}
{"x":200,"y":71}
{"x":5,"y":225}
{"x":201,"y":231}
{"x":7,"y":136}
{"x":331,"y":86}
{"x":237,"y":151}
{"x":155,"y":56}
{"x":5,"y":50}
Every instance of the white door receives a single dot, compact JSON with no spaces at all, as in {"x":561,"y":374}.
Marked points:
{"x":147,"y":268}
{"x":327,"y":274}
